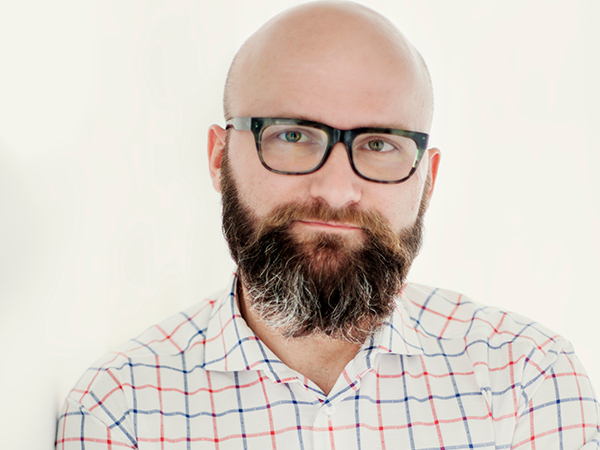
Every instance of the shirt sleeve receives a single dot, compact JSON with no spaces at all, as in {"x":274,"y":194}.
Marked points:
{"x":560,"y":407}
{"x":95,"y":415}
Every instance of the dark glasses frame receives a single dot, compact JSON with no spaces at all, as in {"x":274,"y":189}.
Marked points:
{"x":334,"y":135}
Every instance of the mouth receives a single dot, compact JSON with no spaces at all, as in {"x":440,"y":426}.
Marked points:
{"x":329,"y":226}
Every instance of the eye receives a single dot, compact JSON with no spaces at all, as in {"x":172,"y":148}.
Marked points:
{"x":293,"y":136}
{"x":379,"y":145}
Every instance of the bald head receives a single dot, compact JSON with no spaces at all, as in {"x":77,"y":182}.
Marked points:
{"x":330,"y":62}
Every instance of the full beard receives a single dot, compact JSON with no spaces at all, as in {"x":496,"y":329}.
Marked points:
{"x":320,"y":284}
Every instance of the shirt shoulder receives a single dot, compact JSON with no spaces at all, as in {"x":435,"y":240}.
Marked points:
{"x":500,"y":347}
{"x":162,"y":345}
{"x":445,"y":314}
{"x":180,"y":333}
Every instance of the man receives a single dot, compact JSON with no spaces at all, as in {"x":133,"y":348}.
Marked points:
{"x":319,"y":342}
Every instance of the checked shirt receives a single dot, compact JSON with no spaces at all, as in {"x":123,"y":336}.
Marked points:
{"x":443,"y":373}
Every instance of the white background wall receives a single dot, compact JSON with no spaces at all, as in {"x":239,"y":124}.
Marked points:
{"x":108,"y":222}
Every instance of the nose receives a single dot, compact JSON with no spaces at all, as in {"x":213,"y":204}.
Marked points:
{"x":335,"y":182}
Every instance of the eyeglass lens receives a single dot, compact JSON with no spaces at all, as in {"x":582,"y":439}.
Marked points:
{"x":300,"y":149}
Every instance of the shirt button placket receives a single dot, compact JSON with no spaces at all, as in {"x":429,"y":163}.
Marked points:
{"x":322,"y":439}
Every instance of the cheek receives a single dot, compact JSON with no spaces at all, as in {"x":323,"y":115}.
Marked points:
{"x":260,"y":189}
{"x":400,"y":203}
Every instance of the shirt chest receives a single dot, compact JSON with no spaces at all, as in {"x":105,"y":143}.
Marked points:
{"x":408,"y":402}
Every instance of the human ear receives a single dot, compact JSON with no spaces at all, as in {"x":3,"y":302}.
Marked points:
{"x":216,"y":146}
{"x":434,"y":156}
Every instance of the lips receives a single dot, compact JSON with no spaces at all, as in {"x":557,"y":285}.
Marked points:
{"x":331,"y":225}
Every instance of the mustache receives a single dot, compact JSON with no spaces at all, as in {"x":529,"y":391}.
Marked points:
{"x":372,"y":222}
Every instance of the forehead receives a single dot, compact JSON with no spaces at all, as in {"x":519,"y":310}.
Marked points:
{"x":336,"y":99}
{"x":345,"y":76}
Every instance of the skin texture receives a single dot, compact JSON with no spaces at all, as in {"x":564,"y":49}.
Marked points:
{"x":344,"y":65}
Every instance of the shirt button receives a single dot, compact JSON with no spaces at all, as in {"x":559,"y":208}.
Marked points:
{"x":329,"y":411}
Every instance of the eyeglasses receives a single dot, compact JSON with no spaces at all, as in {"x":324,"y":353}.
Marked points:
{"x":300,"y":147}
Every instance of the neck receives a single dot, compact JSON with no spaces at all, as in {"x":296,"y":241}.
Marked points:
{"x":318,"y":357}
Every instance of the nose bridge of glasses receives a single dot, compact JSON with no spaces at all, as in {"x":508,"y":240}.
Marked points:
{"x":340,"y":136}
{"x":335,"y":137}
